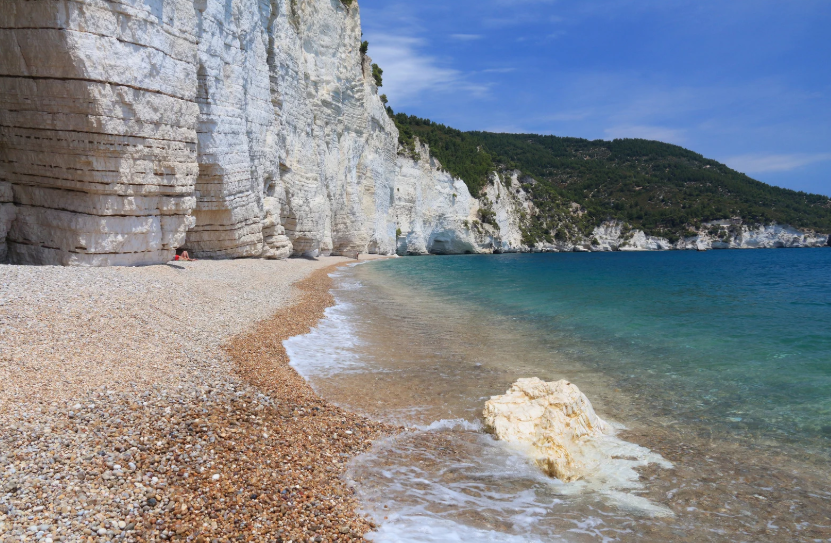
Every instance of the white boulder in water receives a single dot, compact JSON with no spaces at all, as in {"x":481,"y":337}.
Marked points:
{"x":556,"y":425}
{"x":554,"y":419}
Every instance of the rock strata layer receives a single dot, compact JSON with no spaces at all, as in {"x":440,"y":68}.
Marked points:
{"x":236,"y":128}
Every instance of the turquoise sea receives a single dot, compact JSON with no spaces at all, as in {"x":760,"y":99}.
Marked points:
{"x":718,"y":361}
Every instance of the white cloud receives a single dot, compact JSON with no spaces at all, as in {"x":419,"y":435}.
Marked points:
{"x":760,"y":163}
{"x":466,"y":37}
{"x":410,"y":74}
{"x":660,"y":133}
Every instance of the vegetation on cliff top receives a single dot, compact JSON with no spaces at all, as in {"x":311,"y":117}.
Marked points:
{"x":662,"y":189}
{"x":460,"y":153}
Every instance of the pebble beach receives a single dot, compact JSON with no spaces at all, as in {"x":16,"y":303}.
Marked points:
{"x":157,"y":404}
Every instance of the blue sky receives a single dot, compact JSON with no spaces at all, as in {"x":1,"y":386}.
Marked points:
{"x":747,"y":83}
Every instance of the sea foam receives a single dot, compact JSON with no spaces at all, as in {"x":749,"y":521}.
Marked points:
{"x":332,"y":346}
{"x":437,"y":482}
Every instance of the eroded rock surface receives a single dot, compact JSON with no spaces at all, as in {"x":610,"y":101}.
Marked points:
{"x":556,"y":426}
{"x":7,"y":215}
{"x":553,"y":420}
{"x":234,"y":128}
{"x":725,"y":234}
{"x":96,"y":129}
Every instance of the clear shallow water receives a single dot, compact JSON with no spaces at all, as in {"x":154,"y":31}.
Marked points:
{"x":719,"y":361}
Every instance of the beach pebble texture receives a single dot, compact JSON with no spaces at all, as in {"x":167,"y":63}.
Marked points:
{"x":66,"y":332}
{"x":128,"y":413}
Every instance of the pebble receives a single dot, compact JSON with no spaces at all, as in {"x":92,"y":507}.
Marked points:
{"x":190,"y":421}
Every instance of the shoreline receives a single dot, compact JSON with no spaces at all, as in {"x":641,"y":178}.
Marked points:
{"x":262,"y":361}
{"x":136,"y":419}
{"x":718,"y":484}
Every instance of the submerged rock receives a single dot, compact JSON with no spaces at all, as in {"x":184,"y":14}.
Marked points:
{"x":553,"y":419}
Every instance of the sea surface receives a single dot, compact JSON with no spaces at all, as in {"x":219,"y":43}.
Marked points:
{"x":719,"y":363}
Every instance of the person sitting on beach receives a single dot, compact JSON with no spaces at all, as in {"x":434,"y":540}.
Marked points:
{"x":183,"y":255}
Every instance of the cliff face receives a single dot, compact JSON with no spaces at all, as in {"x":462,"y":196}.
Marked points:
{"x":239,"y":128}
{"x":97,"y":129}
{"x":437,"y":214}
{"x":7,"y":215}
{"x":230,"y":128}
{"x":726,"y":234}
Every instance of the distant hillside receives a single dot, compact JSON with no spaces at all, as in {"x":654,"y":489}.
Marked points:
{"x":662,"y":189}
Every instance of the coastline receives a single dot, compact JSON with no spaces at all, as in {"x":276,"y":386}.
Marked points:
{"x":437,"y":337}
{"x":333,"y":435}
{"x":148,"y":404}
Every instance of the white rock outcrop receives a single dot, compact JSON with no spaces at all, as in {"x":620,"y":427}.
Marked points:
{"x":732,"y":234}
{"x":238,"y":128}
{"x":436,"y":213}
{"x":555,"y":425}
{"x":553,"y":420}
{"x":509,"y":204}
{"x":726,"y":234}
{"x":612,"y":236}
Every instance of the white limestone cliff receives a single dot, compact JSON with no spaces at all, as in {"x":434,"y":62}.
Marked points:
{"x":614,"y":236}
{"x":230,"y":128}
{"x":7,"y":215}
{"x":726,"y":234}
{"x":433,"y":210}
{"x":238,"y":128}
{"x":510,"y":205}
{"x":96,"y":129}
{"x":436,"y":213}
{"x":732,"y":234}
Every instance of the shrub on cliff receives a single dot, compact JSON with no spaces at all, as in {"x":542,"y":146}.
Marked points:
{"x":377,"y":74}
{"x":487,"y":216}
{"x":458,"y":153}
{"x":662,"y":189}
